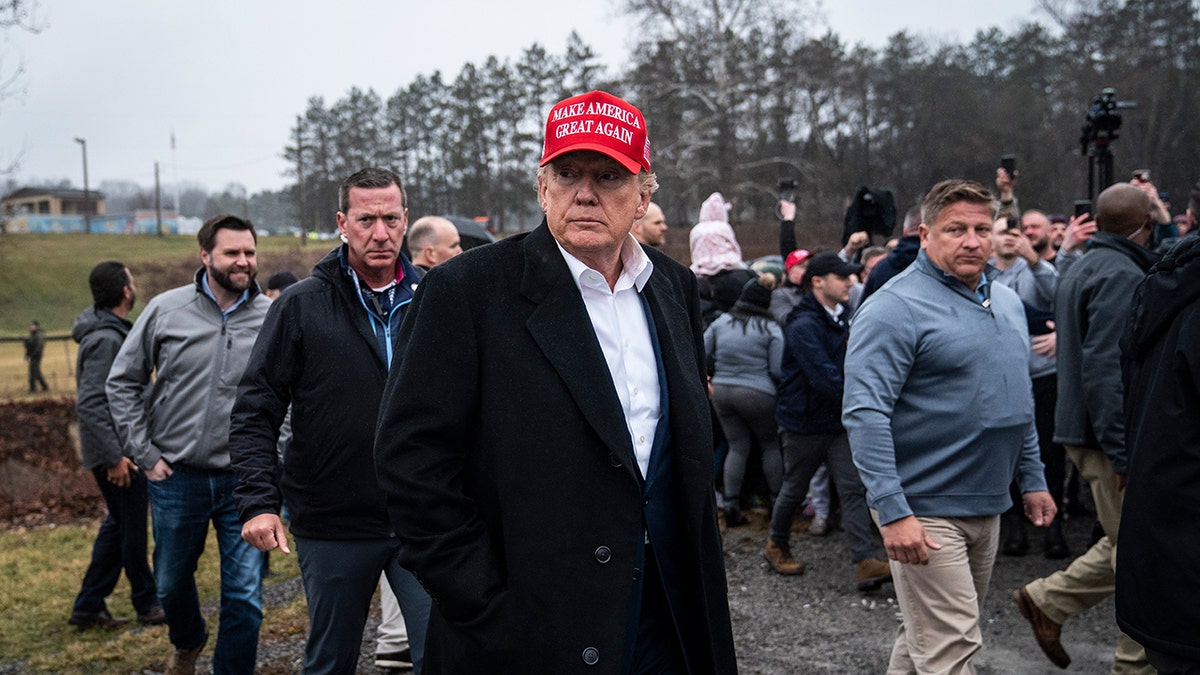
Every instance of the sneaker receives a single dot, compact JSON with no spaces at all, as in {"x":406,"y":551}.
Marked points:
{"x":819,"y":527}
{"x":183,"y":661}
{"x":780,"y":557}
{"x":873,"y":573}
{"x":400,"y":659}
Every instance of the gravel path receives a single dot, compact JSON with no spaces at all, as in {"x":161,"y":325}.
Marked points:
{"x":814,"y":623}
{"x":819,"y":622}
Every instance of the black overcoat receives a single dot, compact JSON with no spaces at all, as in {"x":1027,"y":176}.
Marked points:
{"x":511,"y":480}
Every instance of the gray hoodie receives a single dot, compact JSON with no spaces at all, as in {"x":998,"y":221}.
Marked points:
{"x":99,"y":333}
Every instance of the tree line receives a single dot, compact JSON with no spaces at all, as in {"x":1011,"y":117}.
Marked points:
{"x":737,"y":97}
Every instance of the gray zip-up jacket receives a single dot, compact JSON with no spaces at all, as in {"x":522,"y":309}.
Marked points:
{"x":196,"y":356}
{"x":1094,"y":301}
{"x":938,"y":402}
{"x":99,"y":333}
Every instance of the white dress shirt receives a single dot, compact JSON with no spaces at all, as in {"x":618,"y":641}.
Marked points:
{"x":619,"y":322}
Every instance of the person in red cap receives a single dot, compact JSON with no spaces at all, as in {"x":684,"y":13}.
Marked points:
{"x":552,"y":483}
{"x":788,"y":295}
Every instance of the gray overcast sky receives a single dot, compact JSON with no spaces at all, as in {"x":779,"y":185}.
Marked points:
{"x":230,"y":76}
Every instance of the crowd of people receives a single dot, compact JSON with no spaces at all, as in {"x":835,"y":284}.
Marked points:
{"x":528,"y":446}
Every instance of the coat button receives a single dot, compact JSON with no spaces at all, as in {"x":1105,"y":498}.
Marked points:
{"x":637,"y":574}
{"x":603,"y":554}
{"x":591,"y":656}
{"x":614,"y":461}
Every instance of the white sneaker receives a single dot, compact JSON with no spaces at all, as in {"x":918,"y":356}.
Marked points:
{"x":819,"y":527}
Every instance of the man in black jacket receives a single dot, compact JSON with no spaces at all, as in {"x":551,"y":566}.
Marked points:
{"x":552,"y":481}
{"x":325,"y":348}
{"x":1157,"y":584}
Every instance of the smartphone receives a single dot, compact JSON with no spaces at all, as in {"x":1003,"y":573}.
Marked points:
{"x":787,"y":190}
{"x":1142,"y":175}
{"x":1009,"y":164}
{"x":1082,"y":206}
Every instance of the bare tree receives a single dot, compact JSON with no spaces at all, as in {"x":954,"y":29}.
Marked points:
{"x":19,"y":14}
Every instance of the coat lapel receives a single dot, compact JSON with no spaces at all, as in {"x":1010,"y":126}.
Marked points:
{"x":676,"y":343}
{"x":562,"y":329}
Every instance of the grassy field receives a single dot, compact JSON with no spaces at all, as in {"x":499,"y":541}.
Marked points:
{"x":44,"y":277}
{"x":40,"y":573}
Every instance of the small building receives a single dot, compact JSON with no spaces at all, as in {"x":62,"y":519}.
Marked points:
{"x":30,"y":201}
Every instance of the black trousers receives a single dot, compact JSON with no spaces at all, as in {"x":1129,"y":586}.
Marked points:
{"x":120,"y":544}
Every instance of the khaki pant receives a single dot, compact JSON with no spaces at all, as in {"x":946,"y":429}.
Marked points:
{"x":1091,"y":577}
{"x":942,"y":601}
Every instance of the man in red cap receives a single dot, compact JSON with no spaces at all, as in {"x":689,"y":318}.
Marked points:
{"x":552,"y":484}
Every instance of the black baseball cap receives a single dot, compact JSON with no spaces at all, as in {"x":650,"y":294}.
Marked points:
{"x":828,"y":262}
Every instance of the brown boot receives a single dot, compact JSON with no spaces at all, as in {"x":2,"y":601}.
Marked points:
{"x":183,"y":661}
{"x":780,"y":557}
{"x":1045,"y":631}
{"x":873,"y":573}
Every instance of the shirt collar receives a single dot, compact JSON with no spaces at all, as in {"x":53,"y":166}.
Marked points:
{"x":208,"y":291}
{"x":635,"y":268}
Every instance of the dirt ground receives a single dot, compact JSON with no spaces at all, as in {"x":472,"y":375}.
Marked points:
{"x":814,"y":623}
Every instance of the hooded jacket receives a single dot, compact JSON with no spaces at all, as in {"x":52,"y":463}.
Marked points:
{"x":324,"y":352}
{"x":1157,"y":580}
{"x":196,"y":355}
{"x":810,"y":392}
{"x":1090,"y":310}
{"x":99,"y":333}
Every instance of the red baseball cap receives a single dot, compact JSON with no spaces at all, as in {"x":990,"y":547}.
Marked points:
{"x":600,"y":122}
{"x":795,"y":258}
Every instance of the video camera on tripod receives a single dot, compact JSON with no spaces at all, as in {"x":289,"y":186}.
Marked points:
{"x":1101,"y":127}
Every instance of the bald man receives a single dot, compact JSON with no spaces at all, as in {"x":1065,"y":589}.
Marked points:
{"x":433,"y":240}
{"x":1092,"y":304}
{"x":651,"y":229}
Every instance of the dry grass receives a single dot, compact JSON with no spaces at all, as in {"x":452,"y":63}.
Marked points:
{"x":40,"y":572}
{"x":58,"y":367}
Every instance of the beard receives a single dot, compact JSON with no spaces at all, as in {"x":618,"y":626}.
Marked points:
{"x":224,"y":280}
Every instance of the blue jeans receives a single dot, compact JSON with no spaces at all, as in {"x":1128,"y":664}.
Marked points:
{"x":120,"y":544}
{"x":182,"y":506}
{"x":339,"y":580}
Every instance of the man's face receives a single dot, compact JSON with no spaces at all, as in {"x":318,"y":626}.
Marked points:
{"x":374,"y":225}
{"x":1036,"y":227}
{"x":795,"y":273}
{"x":448,"y":244}
{"x":831,"y":289}
{"x":231,"y":263}
{"x":130,"y":290}
{"x":1004,"y":243}
{"x":959,"y":242}
{"x":651,"y":229}
{"x":590,"y":202}
{"x":869,"y":264}
{"x":1058,"y":232}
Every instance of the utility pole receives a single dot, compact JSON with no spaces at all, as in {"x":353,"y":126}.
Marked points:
{"x":158,"y":201}
{"x":175,"y":174}
{"x":87,"y":219}
{"x":300,"y":178}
